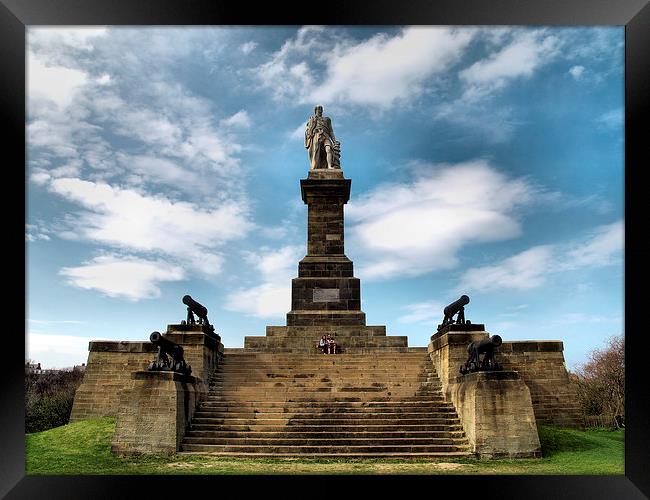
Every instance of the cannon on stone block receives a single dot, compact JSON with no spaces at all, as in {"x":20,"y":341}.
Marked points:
{"x":166,"y":350}
{"x":193,"y":307}
{"x":457,"y":307}
{"x":486,"y":347}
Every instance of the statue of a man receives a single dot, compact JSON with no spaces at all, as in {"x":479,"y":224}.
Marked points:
{"x":322,"y":146}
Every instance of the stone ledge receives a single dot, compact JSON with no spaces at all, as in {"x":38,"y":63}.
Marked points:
{"x":163,"y":375}
{"x":487,"y":375}
{"x":532,"y":346}
{"x":325,"y":173}
{"x":121,"y":346}
{"x":453,"y":328}
{"x":455,"y":338}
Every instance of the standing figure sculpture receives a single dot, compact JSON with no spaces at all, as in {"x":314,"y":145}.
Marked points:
{"x":323,"y":148}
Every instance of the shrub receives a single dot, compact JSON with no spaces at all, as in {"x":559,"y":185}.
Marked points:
{"x":601,"y":382}
{"x":48,"y":398}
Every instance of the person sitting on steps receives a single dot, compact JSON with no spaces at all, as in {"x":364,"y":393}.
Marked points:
{"x":323,"y":345}
{"x":331,"y":345}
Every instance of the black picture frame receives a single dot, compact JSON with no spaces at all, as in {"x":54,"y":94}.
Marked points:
{"x":16,"y":15}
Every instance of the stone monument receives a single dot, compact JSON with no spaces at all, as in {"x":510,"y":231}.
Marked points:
{"x":326,"y":296}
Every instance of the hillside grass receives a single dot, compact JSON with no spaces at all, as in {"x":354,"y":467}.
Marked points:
{"x":83,"y":448}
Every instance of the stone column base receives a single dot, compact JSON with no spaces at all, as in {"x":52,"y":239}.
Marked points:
{"x":496,"y":411}
{"x":153,"y":415}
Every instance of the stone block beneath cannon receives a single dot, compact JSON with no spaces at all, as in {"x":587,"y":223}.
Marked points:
{"x":497,"y":414}
{"x":154,"y":413}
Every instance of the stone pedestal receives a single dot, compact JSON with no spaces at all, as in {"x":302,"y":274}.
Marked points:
{"x":202,"y":349}
{"x":111,"y":364}
{"x":497,"y":414}
{"x":153,"y":415}
{"x":448,"y":349}
{"x":325,"y":297}
{"x":325,"y":291}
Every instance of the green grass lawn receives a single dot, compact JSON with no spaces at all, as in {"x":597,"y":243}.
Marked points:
{"x":84,"y":448}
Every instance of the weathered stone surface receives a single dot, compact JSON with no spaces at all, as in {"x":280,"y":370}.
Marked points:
{"x":540,"y":364}
{"x":154,"y":413}
{"x":353,"y":339}
{"x":110,"y":365}
{"x":497,"y":414}
{"x":379,"y":404}
{"x":463,"y":327}
{"x":108,"y":371}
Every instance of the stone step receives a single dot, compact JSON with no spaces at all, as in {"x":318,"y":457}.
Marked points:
{"x":314,"y":367}
{"x":321,"y":397}
{"x":325,"y":376}
{"x":327,"y":405}
{"x":208,"y":425}
{"x":325,"y":441}
{"x":294,"y":421}
{"x":333,"y":454}
{"x":266,"y":385}
{"x":326,"y":434}
{"x":303,"y":393}
{"x":322,"y":381}
{"x":330,"y":417}
{"x":320,"y":357}
{"x":325,"y":449}
{"x":323,"y":410}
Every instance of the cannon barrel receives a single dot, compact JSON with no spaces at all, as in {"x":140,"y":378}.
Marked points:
{"x":165,"y":344}
{"x":455,"y":306}
{"x":196,"y":308}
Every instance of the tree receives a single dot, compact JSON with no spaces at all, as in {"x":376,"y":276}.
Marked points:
{"x":49,"y":397}
{"x":601,"y":382}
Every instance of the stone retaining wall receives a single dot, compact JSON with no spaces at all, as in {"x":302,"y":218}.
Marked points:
{"x":541,"y":365}
{"x":539,"y":362}
{"x":155,"y":413}
{"x":497,"y":414}
{"x":108,"y":372}
{"x":111,"y":364}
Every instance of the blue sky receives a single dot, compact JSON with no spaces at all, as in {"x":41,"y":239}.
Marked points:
{"x":485,"y":161}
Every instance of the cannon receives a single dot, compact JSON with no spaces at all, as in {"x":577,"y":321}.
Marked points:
{"x":457,"y":307}
{"x":193,"y":307}
{"x":486,"y":347}
{"x":166,"y":350}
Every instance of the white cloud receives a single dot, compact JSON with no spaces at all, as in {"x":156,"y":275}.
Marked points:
{"x":412,"y":228}
{"x":422,"y":312}
{"x":298,"y":134}
{"x":127,"y":219}
{"x":55,"y":83}
{"x":531,"y":268}
{"x":126,"y":277}
{"x":577,"y":71}
{"x":57,"y":351}
{"x":519,"y":59}
{"x":248,"y":47}
{"x":582,"y":318}
{"x":268,"y":300}
{"x":239,"y":119}
{"x":603,"y":247}
{"x":380,"y":71}
{"x":104,"y":79}
{"x":272,"y":298}
{"x":612,"y":120}
{"x":523,"y":271}
{"x":76,"y":38}
{"x":35,"y":232}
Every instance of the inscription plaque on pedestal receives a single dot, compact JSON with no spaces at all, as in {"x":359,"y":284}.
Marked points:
{"x":326,"y":295}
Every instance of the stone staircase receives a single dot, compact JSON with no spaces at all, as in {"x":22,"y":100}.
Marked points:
{"x":380,"y":404}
